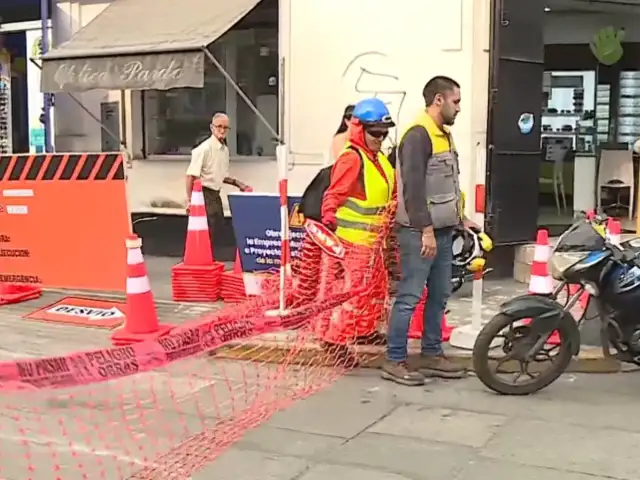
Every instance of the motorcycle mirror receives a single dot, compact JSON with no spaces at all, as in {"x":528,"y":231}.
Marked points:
{"x":601,"y":218}
{"x":582,"y":215}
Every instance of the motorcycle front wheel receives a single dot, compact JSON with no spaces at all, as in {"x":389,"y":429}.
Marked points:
{"x":519,"y":336}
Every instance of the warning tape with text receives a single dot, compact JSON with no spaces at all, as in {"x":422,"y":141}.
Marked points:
{"x":211,"y":332}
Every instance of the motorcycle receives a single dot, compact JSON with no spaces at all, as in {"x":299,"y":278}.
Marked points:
{"x":606,"y":274}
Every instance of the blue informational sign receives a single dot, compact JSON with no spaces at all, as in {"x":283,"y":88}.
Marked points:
{"x":256,"y":225}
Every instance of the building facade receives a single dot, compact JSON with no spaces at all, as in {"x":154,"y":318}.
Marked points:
{"x":300,"y":64}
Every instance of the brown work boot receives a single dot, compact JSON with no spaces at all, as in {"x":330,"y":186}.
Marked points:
{"x":439,"y":366}
{"x":400,"y":372}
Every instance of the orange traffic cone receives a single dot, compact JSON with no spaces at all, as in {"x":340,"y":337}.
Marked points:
{"x":237,"y":266}
{"x":141,"y":322}
{"x":614,"y":232}
{"x":198,"y":249}
{"x":198,"y":277}
{"x":583,"y":301}
{"x":416,"y":327}
{"x":540,"y":282}
{"x":232,"y":287}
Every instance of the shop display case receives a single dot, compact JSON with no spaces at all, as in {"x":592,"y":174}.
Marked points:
{"x":603,"y":113}
{"x":629,"y":107}
{"x":568,"y":112}
{"x":6,"y":132}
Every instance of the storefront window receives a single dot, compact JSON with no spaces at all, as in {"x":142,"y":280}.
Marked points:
{"x":569,"y":111}
{"x":257,"y":74}
{"x":176,"y":120}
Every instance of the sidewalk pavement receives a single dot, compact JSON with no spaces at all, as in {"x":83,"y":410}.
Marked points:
{"x":364,"y":428}
{"x":496,"y":292}
{"x":584,"y":427}
{"x":25,"y":338}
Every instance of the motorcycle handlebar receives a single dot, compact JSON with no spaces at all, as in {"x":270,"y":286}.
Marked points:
{"x":598,"y":218}
{"x":623,"y":255}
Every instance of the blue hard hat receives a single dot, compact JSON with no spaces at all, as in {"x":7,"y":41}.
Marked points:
{"x":373,"y":111}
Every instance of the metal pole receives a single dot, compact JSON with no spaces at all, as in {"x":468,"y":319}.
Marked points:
{"x":44,"y":18}
{"x":285,"y":253}
{"x":244,"y":97}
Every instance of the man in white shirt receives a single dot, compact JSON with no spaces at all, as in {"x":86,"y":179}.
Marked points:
{"x":210,"y":164}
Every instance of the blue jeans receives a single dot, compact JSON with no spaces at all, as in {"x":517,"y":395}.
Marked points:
{"x":416,"y":272}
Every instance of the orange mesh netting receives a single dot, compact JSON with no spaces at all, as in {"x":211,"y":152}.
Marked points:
{"x":165,"y":409}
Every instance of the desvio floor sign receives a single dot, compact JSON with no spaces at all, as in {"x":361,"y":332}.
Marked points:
{"x":64,"y":220}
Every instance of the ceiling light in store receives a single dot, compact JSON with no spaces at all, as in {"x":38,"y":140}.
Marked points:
{"x":547,"y":9}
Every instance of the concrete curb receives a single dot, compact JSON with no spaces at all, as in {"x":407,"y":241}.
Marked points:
{"x":590,"y":359}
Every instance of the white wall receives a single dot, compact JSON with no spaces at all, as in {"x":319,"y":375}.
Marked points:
{"x":325,"y":45}
{"x":579,"y":27}
{"x":335,"y":59}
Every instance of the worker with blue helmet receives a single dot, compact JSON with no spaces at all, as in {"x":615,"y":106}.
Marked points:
{"x":362,"y":185}
{"x":373,"y":112}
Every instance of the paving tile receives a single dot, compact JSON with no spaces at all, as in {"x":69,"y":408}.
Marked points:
{"x":288,"y":442}
{"x":334,"y":472}
{"x":440,"y":425}
{"x":344,"y":410}
{"x":498,"y":470}
{"x":245,"y":465}
{"x":408,"y":456}
{"x":594,"y":451}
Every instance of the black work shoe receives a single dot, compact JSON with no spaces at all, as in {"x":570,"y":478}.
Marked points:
{"x":400,"y":372}
{"x":439,"y":366}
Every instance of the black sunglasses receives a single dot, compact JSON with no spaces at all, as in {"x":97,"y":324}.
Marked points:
{"x":378,"y":133}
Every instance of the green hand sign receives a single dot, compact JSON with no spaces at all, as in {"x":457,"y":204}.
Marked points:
{"x":36,"y":49}
{"x":606,"y":45}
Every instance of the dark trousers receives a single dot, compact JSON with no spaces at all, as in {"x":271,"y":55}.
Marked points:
{"x":215,"y":215}
{"x":416,"y":273}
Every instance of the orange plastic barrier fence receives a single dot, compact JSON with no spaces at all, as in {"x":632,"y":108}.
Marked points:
{"x":63,"y":220}
{"x":167,"y":408}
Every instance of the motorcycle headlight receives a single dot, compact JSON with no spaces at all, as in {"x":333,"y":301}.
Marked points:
{"x":560,"y":261}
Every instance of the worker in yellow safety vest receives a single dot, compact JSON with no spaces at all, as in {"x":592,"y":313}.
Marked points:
{"x":428,"y":214}
{"x":362,"y":185}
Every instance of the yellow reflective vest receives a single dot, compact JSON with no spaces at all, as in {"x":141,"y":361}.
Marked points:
{"x":442,"y":145}
{"x":357,"y":219}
